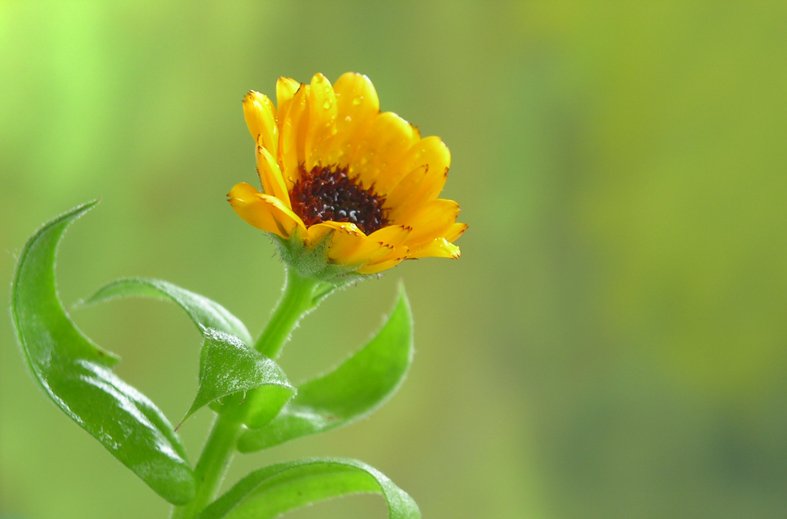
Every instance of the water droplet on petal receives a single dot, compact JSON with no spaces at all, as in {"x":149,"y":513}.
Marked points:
{"x":357,"y":100}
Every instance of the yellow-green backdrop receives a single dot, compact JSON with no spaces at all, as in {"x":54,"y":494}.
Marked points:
{"x":613,"y":341}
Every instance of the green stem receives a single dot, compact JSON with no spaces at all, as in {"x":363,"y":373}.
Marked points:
{"x":296,"y":301}
{"x":212,"y":464}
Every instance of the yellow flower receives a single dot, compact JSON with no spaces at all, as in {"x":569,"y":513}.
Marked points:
{"x":339,"y":176}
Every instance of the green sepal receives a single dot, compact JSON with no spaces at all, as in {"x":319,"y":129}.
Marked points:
{"x":232,"y":374}
{"x":276,"y":489}
{"x":76,"y":374}
{"x":312,"y":262}
{"x":352,"y":390}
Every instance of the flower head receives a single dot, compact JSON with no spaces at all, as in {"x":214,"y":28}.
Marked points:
{"x":344,"y":183}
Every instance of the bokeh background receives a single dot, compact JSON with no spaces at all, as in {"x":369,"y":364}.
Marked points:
{"x":613,"y":341}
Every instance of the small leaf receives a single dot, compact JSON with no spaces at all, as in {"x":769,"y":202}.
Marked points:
{"x":352,"y":390}
{"x":203,"y":312}
{"x":228,"y":365}
{"x":274,"y":490}
{"x":76,"y":375}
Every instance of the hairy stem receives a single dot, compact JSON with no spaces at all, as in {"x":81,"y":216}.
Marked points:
{"x":296,"y":301}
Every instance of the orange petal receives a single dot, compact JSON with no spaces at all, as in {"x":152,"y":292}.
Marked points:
{"x":263,"y":211}
{"x":260,"y":115}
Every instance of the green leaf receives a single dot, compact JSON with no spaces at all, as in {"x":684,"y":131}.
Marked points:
{"x":228,"y":365}
{"x":205,"y":313}
{"x":76,"y":374}
{"x":352,"y":390}
{"x":277,"y":489}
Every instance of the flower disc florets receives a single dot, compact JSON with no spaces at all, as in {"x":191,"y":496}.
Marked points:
{"x":328,"y":194}
{"x":345,"y":186}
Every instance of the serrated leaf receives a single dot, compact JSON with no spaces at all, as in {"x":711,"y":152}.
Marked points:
{"x":352,"y":390}
{"x":76,"y":374}
{"x":228,"y":365}
{"x":205,"y":313}
{"x":277,"y":489}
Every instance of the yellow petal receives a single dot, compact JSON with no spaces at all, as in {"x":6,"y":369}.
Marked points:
{"x":292,"y":125}
{"x":356,"y":98}
{"x":437,"y":248}
{"x":431,"y":220}
{"x":357,"y":104}
{"x":318,"y":232}
{"x":381,"y":245}
{"x":392,"y":234}
{"x":285,"y":91}
{"x":380,"y":147}
{"x":322,"y":122}
{"x":341,"y":126}
{"x":393,"y":250}
{"x":348,"y":245}
{"x":375,"y":268}
{"x":263,"y":211}
{"x":427,"y":170}
{"x":260,"y":115}
{"x":370,"y":252}
{"x":271,"y":176}
{"x":455,"y":231}
{"x":344,"y":238}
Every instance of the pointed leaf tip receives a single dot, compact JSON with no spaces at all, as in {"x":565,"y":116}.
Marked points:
{"x":274,"y":490}
{"x":75,"y":374}
{"x":231,"y":372}
{"x":354,"y":389}
{"x":203,"y":312}
{"x":240,"y":377}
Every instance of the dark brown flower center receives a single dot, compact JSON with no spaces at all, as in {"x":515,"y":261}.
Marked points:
{"x":327,"y":193}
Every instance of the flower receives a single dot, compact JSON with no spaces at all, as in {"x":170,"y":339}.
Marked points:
{"x":343,"y":178}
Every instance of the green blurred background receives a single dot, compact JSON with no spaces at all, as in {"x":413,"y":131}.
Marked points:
{"x":611,"y":344}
